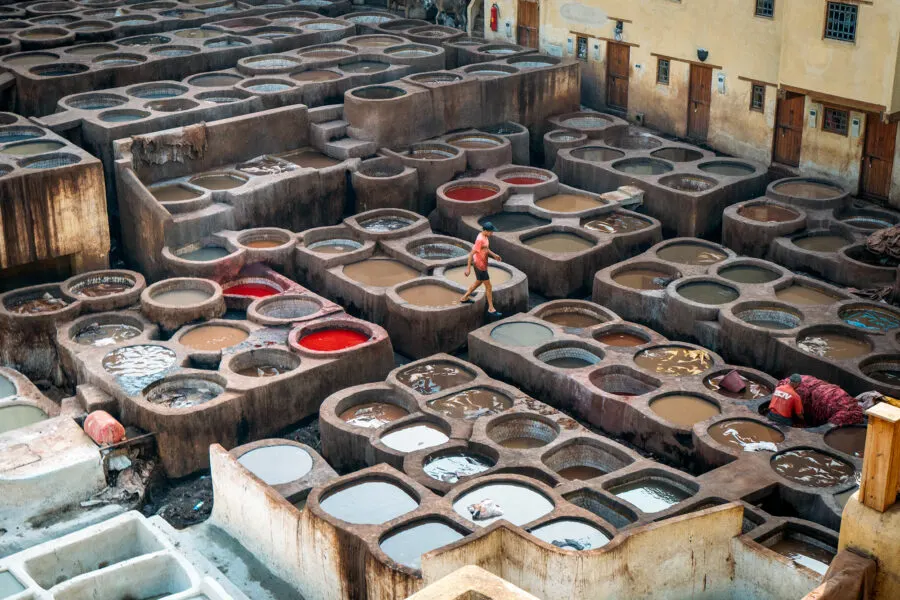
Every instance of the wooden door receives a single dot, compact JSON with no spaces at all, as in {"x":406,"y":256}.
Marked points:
{"x":789,"y":129}
{"x":878,"y":158}
{"x":527,"y":23}
{"x":698,"y":102}
{"x":618,"y":67}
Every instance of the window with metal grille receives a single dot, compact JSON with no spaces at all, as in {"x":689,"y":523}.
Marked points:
{"x":582,"y":48}
{"x":840,"y":21}
{"x":662,"y":71}
{"x":758,"y":97}
{"x":835,"y":120}
{"x":765,"y":8}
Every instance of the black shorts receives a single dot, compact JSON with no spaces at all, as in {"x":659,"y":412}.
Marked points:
{"x":481,"y":275}
{"x":780,"y":419}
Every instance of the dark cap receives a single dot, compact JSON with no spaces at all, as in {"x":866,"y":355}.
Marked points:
{"x":488,"y":226}
{"x":795,"y":379}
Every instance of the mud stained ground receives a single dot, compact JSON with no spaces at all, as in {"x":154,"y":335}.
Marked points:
{"x":182,"y":502}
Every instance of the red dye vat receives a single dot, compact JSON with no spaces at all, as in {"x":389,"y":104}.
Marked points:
{"x":469,"y":193}
{"x":523,"y":180}
{"x":256,"y":290}
{"x":330,"y":340}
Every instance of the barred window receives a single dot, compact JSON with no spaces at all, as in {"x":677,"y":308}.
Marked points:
{"x":662,"y":71}
{"x":835,"y":120}
{"x":582,"y":49}
{"x":758,"y":97}
{"x":840,"y":21}
{"x":765,"y":8}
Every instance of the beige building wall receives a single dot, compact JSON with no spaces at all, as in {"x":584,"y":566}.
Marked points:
{"x":786,"y":51}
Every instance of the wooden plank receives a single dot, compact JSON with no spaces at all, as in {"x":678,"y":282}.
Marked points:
{"x":880,"y":478}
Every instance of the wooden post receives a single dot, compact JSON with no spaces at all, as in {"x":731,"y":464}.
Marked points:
{"x":880,"y":479}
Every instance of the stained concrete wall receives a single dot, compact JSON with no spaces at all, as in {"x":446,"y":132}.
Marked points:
{"x":857,"y":528}
{"x":786,"y":50}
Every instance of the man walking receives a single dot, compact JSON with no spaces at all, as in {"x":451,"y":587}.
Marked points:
{"x":479,"y":257}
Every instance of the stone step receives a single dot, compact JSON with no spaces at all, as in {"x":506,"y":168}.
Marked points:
{"x":350,"y":148}
{"x":91,"y":398}
{"x":322,"y":133}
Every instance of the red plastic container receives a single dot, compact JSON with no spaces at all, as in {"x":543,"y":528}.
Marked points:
{"x":103,"y":428}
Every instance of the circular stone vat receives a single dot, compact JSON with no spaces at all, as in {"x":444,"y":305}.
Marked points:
{"x":266,"y":86}
{"x":521,"y":333}
{"x":213,"y":338}
{"x":498,"y":275}
{"x":821,"y":242}
{"x":32,"y":148}
{"x":201,"y":253}
{"x":197,"y":33}
{"x":752,"y":389}
{"x":560,"y":242}
{"x":524,"y":176}
{"x":849,"y":440}
{"x":453,"y":466}
{"x":411,"y":51}
{"x":490,"y":70}
{"x":371,"y":415}
{"x":191,"y":293}
{"x":569,"y":203}
{"x":333,"y":339}
{"x":272,"y":62}
{"x":869,"y":221}
{"x":430,"y":295}
{"x":688,"y":183}
{"x":29,"y":59}
{"x":19,"y":134}
{"x":223,"y":96}
{"x":644,"y":278}
{"x":571,"y":534}
{"x":684,"y":410}
{"x":373,"y":41}
{"x":834,"y":345}
{"x":471,"y":404}
{"x":812,"y":468}
{"x":432,"y":152}
{"x":581,"y":461}
{"x":574,"y":317}
{"x":809,"y":189}
{"x":138,"y":361}
{"x":473,"y":141}
{"x":102,"y":285}
{"x":380,"y":169}
{"x":316,"y":75}
{"x":768,"y":213}
{"x":471,"y":192}
{"x":277,"y":465}
{"x":709,"y":293}
{"x":727,"y":168}
{"x":216,"y":80}
{"x":688,"y":253}
{"x":674,"y":360}
{"x":49,"y":161}
{"x":439,"y":77}
{"x":119,"y":59}
{"x":145,"y":40}
{"x":106,"y":332}
{"x":183,"y":392}
{"x":264,"y":362}
{"x":288,"y":307}
{"x":416,"y":436}
{"x":569,"y":357}
{"x":805,"y":295}
{"x":742,"y":432}
{"x":650,"y":495}
{"x":96,"y":101}
{"x":621,"y":337}
{"x":513,"y":221}
{"x":380,"y":272}
{"x":20,"y":415}
{"x":385,"y":224}
{"x":522,"y":432}
{"x":596,"y":154}
{"x":885,"y":369}
{"x":122,"y":116}
{"x":362,"y":66}
{"x":533,"y":62}
{"x":520,"y":503}
{"x":407,"y":545}
{"x":770,"y":317}
{"x":587,"y":121}
{"x":227,"y":42}
{"x":368,"y":502}
{"x":437,"y":250}
{"x":642,"y":166}
{"x":335,"y":246}
{"x":433,"y":377}
{"x":171,"y":105}
{"x":43,"y":301}
{"x":869,"y":317}
{"x":748,"y":274}
{"x":218,"y":181}
{"x":677,"y":155}
{"x":859,"y":253}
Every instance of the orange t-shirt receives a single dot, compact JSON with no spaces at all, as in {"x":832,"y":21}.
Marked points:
{"x":786,"y":402}
{"x":480,"y":252}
